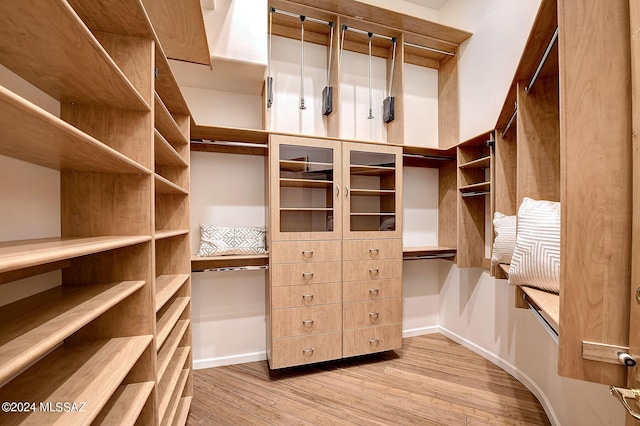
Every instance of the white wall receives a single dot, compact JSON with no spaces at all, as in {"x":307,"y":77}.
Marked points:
{"x":421,"y":106}
{"x":408,"y":8}
{"x":488,"y":59}
{"x":30,"y":197}
{"x":219,"y":108}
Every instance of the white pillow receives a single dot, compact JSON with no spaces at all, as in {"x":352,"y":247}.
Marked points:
{"x":536,"y":258}
{"x":223,"y":240}
{"x":505,"y":242}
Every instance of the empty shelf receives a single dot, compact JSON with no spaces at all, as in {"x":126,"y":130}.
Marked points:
{"x":505,"y":269}
{"x":160,"y":235}
{"x":37,"y":324}
{"x":43,"y":139}
{"x":229,"y":134}
{"x":305,"y":183}
{"x":167,"y":85}
{"x":175,"y":398}
{"x":480,"y":163}
{"x":168,"y":318}
{"x":171,"y":378}
{"x":371,"y":192}
{"x":549,"y":303}
{"x":125,"y":405}
{"x":183,"y":411}
{"x":165,"y":154}
{"x":199,"y":264}
{"x":428,"y":252}
{"x":165,"y":186}
{"x":476,"y":187}
{"x":166,"y":124}
{"x":167,"y":286}
{"x":75,"y":373}
{"x":168,"y":349}
{"x":36,"y":44}
{"x":26,"y":253}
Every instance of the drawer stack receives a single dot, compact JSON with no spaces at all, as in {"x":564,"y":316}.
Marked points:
{"x":306,"y":302}
{"x":372,"y":296}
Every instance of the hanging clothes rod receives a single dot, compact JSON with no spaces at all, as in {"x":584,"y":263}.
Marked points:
{"x":475,"y":194}
{"x":304,"y":17}
{"x":536,"y":311}
{"x":234,"y":268}
{"x":429,"y":48}
{"x":513,"y":117}
{"x":230,"y":143}
{"x":367,"y":33}
{"x":545,"y":56}
{"x":429,"y":157}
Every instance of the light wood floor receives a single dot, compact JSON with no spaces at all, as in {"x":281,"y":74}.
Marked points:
{"x":431,"y":381}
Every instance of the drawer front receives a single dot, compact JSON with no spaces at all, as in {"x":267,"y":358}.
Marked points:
{"x":372,"y":249}
{"x":372,"y":270}
{"x":371,"y":290}
{"x":305,"y":273}
{"x":305,"y":295}
{"x":362,"y":341}
{"x":305,"y":251}
{"x":370,"y":313}
{"x":305,"y":350}
{"x":306,"y":320}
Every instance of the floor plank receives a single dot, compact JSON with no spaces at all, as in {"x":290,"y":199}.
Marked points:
{"x":431,"y":380}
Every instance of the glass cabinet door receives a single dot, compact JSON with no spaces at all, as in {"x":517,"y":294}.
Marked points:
{"x":304,"y":188}
{"x":373,"y":184}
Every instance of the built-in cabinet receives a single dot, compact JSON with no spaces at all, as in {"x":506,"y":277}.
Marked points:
{"x":335,"y":247}
{"x":115,"y":337}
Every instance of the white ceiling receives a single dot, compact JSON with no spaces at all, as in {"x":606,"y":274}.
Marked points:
{"x":431,"y":4}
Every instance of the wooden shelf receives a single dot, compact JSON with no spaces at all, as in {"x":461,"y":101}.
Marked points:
{"x":372,"y":214}
{"x":480,"y":163}
{"x":166,"y":352}
{"x":43,"y":139}
{"x":183,"y":411}
{"x":89,"y":372}
{"x":174,"y":402}
{"x":34,"y":43}
{"x":161,"y":235}
{"x":372,"y":170}
{"x":172,"y":375}
{"x":168,"y":319}
{"x":505,"y":269}
{"x":427,"y":251}
{"x":229,"y":134}
{"x":37,"y":324}
{"x":165,"y":154}
{"x":199,"y":264}
{"x":306,"y":209}
{"x":549,"y":303}
{"x":26,"y":253}
{"x":165,"y":186}
{"x":167,"y":286}
{"x":372,"y":192}
{"x":303,"y":166}
{"x":167,"y":86}
{"x":125,"y":405}
{"x":305,"y":183}
{"x":165,"y":123}
{"x":482,"y":186}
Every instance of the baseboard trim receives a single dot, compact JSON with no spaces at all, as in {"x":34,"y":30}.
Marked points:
{"x":199,"y":364}
{"x":509,"y":368}
{"x":413,"y":332}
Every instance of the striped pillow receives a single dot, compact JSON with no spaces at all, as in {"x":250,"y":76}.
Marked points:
{"x":226,"y":240}
{"x":505,"y":242}
{"x":536,"y":257}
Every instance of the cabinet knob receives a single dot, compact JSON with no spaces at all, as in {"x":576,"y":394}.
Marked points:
{"x":308,"y":351}
{"x":307,"y":297}
{"x":307,"y":275}
{"x":374,"y":252}
{"x":374,"y":292}
{"x":374,"y":315}
{"x":337,"y":190}
{"x":307,"y":253}
{"x":346,"y":188}
{"x":374,"y":272}
{"x":307,"y":322}
{"x":374,"y":341}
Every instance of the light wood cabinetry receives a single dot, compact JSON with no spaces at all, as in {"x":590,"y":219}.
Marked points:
{"x":335,"y":218}
{"x":116,"y":334}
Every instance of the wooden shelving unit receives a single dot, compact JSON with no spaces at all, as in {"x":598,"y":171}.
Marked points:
{"x":200,"y":264}
{"x":95,"y":338}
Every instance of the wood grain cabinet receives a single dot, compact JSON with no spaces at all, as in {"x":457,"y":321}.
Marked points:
{"x":335,"y":250}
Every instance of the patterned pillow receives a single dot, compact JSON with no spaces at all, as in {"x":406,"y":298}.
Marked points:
{"x":536,"y":258}
{"x":222,"y":240}
{"x":505,"y":242}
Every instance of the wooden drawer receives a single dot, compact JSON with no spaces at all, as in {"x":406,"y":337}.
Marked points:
{"x":370,"y":313}
{"x":305,"y":273}
{"x":305,"y":295}
{"x":372,"y":270}
{"x":368,"y":290}
{"x":305,"y":350}
{"x":362,"y":341}
{"x":306,"y":320}
{"x":372,"y":249}
{"x":305,"y":251}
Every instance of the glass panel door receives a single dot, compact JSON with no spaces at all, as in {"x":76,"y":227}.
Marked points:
{"x":373,"y":199}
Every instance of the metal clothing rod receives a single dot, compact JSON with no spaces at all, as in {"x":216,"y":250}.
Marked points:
{"x":429,"y":157}
{"x":302,"y":18}
{"x":429,"y":48}
{"x":393,"y":63}
{"x":513,"y":117}
{"x":536,"y":310}
{"x":370,"y":117}
{"x":293,"y":15}
{"x":330,"y":54}
{"x":234,"y":268}
{"x":430,"y":256}
{"x":553,"y":40}
{"x":475,"y":194}
{"x":367,"y":33}
{"x":230,"y":143}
